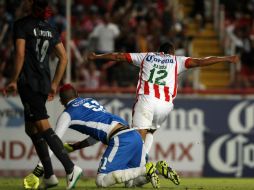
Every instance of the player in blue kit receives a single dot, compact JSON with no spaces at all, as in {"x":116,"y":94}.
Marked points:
{"x":124,"y":158}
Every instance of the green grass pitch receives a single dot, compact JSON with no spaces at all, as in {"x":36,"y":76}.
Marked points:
{"x":186,"y":184}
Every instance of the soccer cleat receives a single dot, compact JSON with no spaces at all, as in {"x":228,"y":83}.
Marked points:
{"x":163,"y":168}
{"x":151,"y":175}
{"x":38,"y":171}
{"x":52,"y":181}
{"x":73,"y":177}
{"x":31,"y":182}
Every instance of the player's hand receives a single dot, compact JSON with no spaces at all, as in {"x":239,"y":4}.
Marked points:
{"x":10,"y":88}
{"x":91,"y":56}
{"x":235,"y":59}
{"x":53,"y":91}
{"x":68,"y":147}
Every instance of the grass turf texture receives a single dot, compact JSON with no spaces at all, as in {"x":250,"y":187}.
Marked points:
{"x":186,"y":184}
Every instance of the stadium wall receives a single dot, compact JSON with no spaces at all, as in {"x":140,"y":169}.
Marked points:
{"x":206,"y":135}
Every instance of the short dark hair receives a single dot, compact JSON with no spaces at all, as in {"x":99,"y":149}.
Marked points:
{"x":167,"y":47}
{"x":67,"y":92}
{"x":41,"y":4}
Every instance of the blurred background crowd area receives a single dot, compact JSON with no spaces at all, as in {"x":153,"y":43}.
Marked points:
{"x":198,"y":28}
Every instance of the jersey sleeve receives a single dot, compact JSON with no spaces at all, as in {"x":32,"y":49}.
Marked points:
{"x":182,"y":63}
{"x":135,"y":58}
{"x":19,"y":31}
{"x":62,"y":124}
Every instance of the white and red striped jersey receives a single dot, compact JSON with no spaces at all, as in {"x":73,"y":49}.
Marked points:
{"x":158,"y":73}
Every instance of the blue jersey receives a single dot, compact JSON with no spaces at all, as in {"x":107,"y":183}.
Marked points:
{"x":91,"y":118}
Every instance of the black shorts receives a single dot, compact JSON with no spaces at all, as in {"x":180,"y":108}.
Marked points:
{"x":34,"y":104}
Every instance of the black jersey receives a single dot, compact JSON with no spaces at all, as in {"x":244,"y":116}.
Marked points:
{"x":40,"y":38}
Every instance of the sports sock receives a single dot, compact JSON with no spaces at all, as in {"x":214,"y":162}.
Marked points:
{"x":42,"y":151}
{"x":56,"y":145}
{"x":139,"y":181}
{"x":38,"y":170}
{"x":148,"y":142}
{"x":119,"y":176}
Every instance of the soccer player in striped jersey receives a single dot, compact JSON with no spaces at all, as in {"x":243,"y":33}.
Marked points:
{"x":124,"y":157}
{"x":157,"y":84}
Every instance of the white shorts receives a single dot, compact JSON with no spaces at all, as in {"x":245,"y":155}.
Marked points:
{"x":150,"y":112}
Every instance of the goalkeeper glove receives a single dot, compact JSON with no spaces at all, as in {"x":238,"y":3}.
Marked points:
{"x":68,"y":147}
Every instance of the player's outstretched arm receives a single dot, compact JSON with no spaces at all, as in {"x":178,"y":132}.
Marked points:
{"x":107,"y":56}
{"x":206,"y":61}
{"x":81,"y":144}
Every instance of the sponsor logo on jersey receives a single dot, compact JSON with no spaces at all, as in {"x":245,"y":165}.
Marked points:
{"x":42,"y":33}
{"x":158,"y":59}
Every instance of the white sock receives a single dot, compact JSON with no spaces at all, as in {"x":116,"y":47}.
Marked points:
{"x":119,"y":176}
{"x":105,"y":180}
{"x":148,"y":142}
{"x":40,"y":164}
{"x":137,"y":182}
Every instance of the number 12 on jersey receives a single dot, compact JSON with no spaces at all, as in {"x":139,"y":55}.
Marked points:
{"x":157,"y":76}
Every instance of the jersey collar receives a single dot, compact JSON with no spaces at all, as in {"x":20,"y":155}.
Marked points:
{"x":70,"y":102}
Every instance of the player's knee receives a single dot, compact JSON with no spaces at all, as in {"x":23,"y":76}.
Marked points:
{"x":42,"y":125}
{"x":30,"y":129}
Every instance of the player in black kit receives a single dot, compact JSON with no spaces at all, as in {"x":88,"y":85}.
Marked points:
{"x":34,"y":40}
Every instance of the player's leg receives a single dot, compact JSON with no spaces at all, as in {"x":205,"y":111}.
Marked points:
{"x":56,"y":145}
{"x":142,"y":132}
{"x":140,"y":176}
{"x":142,"y":179}
{"x":34,"y":107}
{"x":39,"y":170}
{"x":35,"y":112}
{"x":150,"y":175}
{"x":115,"y":165}
{"x":142,"y":118}
{"x":41,"y":147}
{"x":161,"y":112}
{"x":119,"y":176}
{"x":149,"y":140}
{"x":160,"y":115}
{"x":32,"y":180}
{"x":137,"y":182}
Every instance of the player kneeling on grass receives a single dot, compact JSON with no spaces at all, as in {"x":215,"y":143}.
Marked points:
{"x":123,"y":160}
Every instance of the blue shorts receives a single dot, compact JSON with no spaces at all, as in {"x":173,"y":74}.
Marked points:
{"x":124,"y":151}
